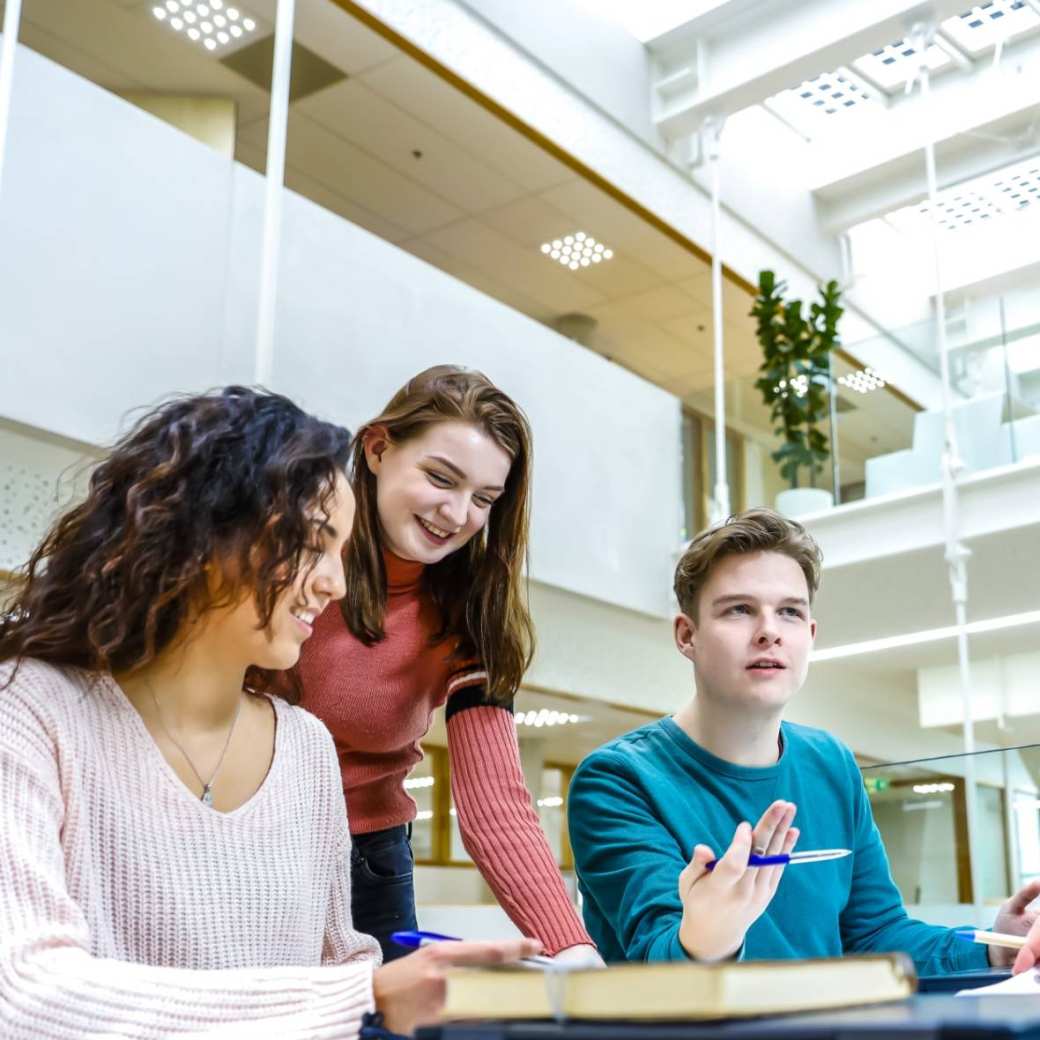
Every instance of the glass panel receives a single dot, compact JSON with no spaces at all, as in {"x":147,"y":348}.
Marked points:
{"x":919,"y":832}
{"x":919,"y":808}
{"x":551,"y":810}
{"x":734,"y":447}
{"x":695,"y":490}
{"x":420,"y":785}
{"x":457,"y":853}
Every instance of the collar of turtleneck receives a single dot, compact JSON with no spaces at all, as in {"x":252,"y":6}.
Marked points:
{"x":401,"y":575}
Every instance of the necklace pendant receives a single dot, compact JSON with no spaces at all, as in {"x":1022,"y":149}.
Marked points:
{"x":207,"y":796}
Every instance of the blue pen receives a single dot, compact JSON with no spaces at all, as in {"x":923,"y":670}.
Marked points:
{"x":413,"y":940}
{"x":792,"y":859}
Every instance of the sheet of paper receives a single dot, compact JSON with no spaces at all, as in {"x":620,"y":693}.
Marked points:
{"x":1026,"y":984}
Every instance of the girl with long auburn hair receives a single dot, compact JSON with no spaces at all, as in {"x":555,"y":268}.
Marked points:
{"x":435,"y":614}
{"x":174,"y":847}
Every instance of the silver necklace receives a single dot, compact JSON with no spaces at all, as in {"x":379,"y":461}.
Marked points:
{"x":207,"y":785}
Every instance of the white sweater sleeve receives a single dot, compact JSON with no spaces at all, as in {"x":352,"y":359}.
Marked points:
{"x":51,"y":986}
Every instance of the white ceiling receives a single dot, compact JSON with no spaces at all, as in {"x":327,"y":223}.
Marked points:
{"x":477,"y":201}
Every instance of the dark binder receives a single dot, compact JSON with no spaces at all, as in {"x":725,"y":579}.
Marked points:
{"x":923,"y":1017}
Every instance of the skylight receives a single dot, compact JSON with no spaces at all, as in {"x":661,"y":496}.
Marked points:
{"x":810,"y":106}
{"x":890,"y":67}
{"x":991,"y":197}
{"x":986,"y":25}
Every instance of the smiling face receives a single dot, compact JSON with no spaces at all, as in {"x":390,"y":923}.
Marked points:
{"x":751,"y":639}
{"x":317,"y":583}
{"x":435,"y":491}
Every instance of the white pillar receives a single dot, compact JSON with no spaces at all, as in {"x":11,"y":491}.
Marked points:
{"x":12,"y":20}
{"x":274,"y":190}
{"x":720,"y":501}
{"x":956,"y":552}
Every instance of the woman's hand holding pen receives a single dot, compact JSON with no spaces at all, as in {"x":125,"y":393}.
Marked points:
{"x":719,"y":905}
{"x":410,"y":991}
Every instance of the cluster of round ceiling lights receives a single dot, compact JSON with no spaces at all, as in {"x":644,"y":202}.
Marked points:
{"x":576,"y":251}
{"x":941,"y":788}
{"x":544,"y":717}
{"x":211,"y":23}
{"x":418,"y":782}
{"x":862,"y":381}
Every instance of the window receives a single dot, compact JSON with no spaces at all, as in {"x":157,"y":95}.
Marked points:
{"x":436,"y":837}
{"x":698,"y":462}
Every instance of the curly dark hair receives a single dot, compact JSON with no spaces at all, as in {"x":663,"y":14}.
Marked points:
{"x":227,"y":476}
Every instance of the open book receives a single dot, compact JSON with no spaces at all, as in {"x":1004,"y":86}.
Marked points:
{"x":679,"y":991}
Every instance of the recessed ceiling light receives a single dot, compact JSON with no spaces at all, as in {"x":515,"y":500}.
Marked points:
{"x":545,"y":717}
{"x":863,"y":381}
{"x":576,"y":250}
{"x":206,"y":22}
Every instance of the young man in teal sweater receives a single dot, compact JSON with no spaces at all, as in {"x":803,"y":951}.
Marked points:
{"x":651,"y":809}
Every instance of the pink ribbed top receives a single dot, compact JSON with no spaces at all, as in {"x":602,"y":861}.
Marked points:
{"x":115,"y":879}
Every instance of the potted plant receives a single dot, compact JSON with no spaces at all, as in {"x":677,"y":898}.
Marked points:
{"x":794,"y":380}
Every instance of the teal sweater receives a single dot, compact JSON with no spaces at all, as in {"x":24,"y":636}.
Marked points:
{"x":639,"y":805}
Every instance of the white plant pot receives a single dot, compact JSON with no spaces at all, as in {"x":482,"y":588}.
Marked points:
{"x":801,"y":501}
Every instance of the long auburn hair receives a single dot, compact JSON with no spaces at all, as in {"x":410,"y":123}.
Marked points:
{"x":228,"y":477}
{"x":479,"y":590}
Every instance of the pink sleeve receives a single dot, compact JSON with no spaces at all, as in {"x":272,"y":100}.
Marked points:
{"x":501,"y":831}
{"x":52,"y":988}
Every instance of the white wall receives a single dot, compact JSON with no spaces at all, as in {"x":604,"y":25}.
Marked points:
{"x":128,"y":267}
{"x":609,"y":66}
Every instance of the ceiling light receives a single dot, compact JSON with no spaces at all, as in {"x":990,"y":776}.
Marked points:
{"x":576,"y":250}
{"x":545,"y":717}
{"x":931,"y":635}
{"x":418,"y":782}
{"x":863,"y":381}
{"x":941,"y":788}
{"x":551,"y":802}
{"x":200,"y":22}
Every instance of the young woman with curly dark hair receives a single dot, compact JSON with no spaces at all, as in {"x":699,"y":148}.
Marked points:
{"x":435,"y":613}
{"x":174,"y":849}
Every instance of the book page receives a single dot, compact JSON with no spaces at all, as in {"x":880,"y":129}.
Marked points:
{"x":1026,"y":984}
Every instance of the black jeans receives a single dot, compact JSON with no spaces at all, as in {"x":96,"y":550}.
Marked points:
{"x":382,"y":889}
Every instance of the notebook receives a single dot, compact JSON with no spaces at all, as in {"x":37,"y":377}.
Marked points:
{"x":678,"y":991}
{"x":1027,"y":984}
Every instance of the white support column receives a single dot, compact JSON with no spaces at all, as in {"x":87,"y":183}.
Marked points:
{"x":952,"y":464}
{"x":274,"y":190}
{"x":711,"y":134}
{"x":12,"y":20}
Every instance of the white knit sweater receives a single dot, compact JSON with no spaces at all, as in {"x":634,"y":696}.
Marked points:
{"x":130,"y":909}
